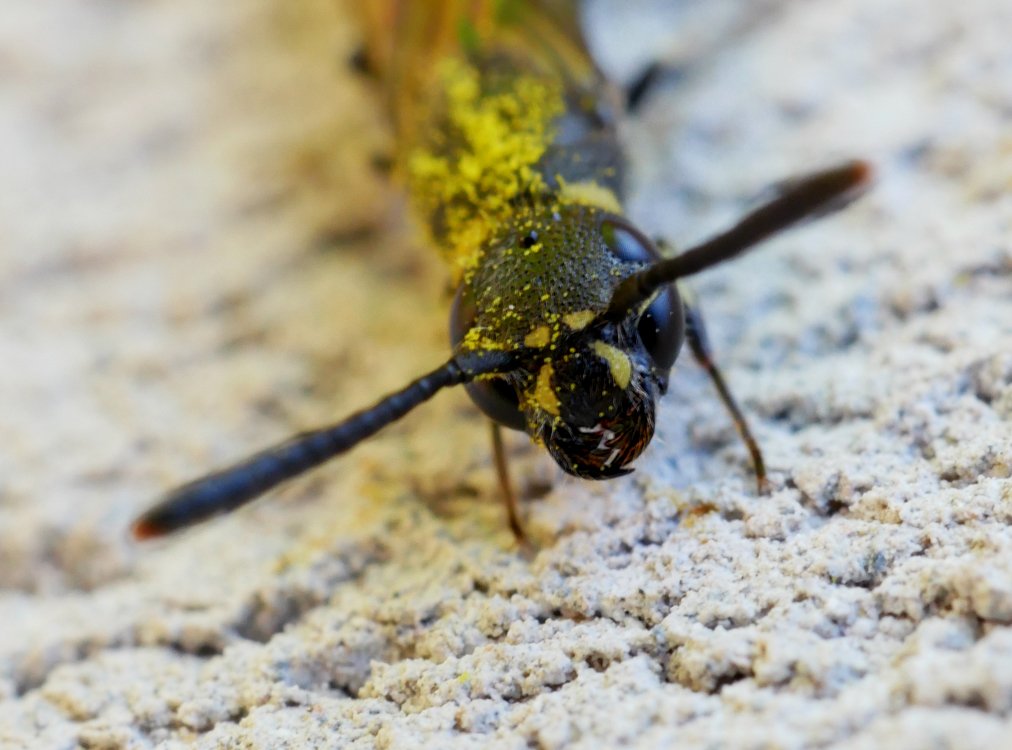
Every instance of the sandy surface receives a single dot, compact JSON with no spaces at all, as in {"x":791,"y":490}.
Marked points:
{"x":197,"y":259}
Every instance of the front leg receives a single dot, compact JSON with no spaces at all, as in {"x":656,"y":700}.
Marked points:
{"x":506,"y":486}
{"x":695,"y":334}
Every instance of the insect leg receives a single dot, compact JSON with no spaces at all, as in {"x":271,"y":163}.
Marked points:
{"x":502,"y":470}
{"x":636,"y":91}
{"x":647,"y":81}
{"x":695,"y":335}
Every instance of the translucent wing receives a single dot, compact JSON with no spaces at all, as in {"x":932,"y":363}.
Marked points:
{"x":406,"y":40}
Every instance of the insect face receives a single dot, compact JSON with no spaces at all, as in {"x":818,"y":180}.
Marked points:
{"x":594,"y":406}
{"x":584,"y":387}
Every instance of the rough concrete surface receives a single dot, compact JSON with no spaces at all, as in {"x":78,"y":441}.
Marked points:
{"x":198,"y":259}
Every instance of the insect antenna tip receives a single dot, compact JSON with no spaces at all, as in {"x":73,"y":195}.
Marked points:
{"x":864,"y":169}
{"x":862,"y":172}
{"x":143,"y":529}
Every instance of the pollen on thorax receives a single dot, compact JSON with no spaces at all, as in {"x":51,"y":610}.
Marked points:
{"x":467,"y":183}
{"x":589,"y":193}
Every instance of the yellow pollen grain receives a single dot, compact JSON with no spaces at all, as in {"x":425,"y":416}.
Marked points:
{"x":538,"y":338}
{"x":590,"y":193}
{"x":578,"y":320}
{"x":618,"y":362}
{"x":544,"y":396}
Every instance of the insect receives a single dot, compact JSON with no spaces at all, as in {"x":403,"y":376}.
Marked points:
{"x":567,"y":320}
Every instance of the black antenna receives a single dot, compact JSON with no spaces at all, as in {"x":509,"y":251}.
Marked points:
{"x":801,"y":198}
{"x":232,"y":487}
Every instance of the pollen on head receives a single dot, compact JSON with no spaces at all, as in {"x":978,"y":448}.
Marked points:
{"x":543,"y":395}
{"x":538,"y":338}
{"x":617,"y":360}
{"x":577,"y":321}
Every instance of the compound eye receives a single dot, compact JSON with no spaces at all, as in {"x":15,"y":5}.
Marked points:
{"x":496,"y":398}
{"x":627,"y":243}
{"x":661,"y":329}
{"x":662,"y":326}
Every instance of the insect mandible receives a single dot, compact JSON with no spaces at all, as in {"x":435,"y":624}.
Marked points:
{"x":567,"y":320}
